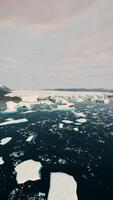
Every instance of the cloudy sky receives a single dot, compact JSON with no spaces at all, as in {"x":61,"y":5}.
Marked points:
{"x":56,"y":43}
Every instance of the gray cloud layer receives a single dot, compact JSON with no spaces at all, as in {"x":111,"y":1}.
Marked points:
{"x":66,"y":43}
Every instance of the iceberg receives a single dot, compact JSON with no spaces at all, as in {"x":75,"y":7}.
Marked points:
{"x":62,"y":187}
{"x":13,"y":121}
{"x":11,"y":107}
{"x":29,"y":170}
{"x":5,"y":140}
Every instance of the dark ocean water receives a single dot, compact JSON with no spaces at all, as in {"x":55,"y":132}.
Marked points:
{"x":86,"y":154}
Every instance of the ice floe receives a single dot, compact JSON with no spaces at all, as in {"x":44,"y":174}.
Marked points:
{"x":62,"y":187}
{"x":5,"y":140}
{"x":67,"y":121}
{"x":76,"y":129}
{"x":80,"y":114}
{"x":28,"y":170}
{"x":61,"y":125}
{"x":13,"y":121}
{"x":1,"y":161}
{"x":82,"y":120}
{"x":30,"y":138}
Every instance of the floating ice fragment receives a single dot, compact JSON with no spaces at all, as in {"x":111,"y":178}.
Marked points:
{"x":62,"y":161}
{"x":30,"y":138}
{"x":28,"y":170}
{"x":75,"y":129}
{"x":9,"y":119}
{"x":1,"y":161}
{"x":5,"y":140}
{"x":67,"y":121}
{"x":83,"y":120}
{"x":13,"y":121}
{"x":80,"y":114}
{"x":62,"y":187}
{"x":61,"y":125}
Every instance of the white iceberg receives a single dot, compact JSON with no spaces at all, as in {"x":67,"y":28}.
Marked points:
{"x":11,"y":106}
{"x":28,"y":170}
{"x":62,"y":187}
{"x":13,"y":121}
{"x":5,"y":140}
{"x":1,"y":161}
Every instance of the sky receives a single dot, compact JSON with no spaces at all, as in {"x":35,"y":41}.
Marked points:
{"x":56,"y":44}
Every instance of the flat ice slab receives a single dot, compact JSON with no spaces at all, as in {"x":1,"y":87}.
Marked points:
{"x":1,"y":161}
{"x":28,"y":170}
{"x":13,"y":121}
{"x":82,"y":120}
{"x":62,"y":187}
{"x":67,"y":121}
{"x":5,"y":140}
{"x":30,"y":138}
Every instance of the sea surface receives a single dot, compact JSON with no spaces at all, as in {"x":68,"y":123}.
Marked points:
{"x":86,"y":153}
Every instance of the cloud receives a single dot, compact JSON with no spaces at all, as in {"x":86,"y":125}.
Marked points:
{"x":77,"y":53}
{"x":39,"y":11}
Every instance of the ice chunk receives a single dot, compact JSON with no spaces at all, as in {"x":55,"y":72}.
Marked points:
{"x":1,"y":161}
{"x":28,"y":170}
{"x":62,"y":187}
{"x":5,"y":140}
{"x":61,"y":125}
{"x":13,"y":121}
{"x":75,"y":129}
{"x":82,"y":120}
{"x":67,"y":121}
{"x":30,"y":138}
{"x":9,"y":119}
{"x":11,"y":106}
{"x":80,"y":114}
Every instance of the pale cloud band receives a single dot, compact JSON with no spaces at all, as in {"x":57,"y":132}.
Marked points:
{"x":66,"y":43}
